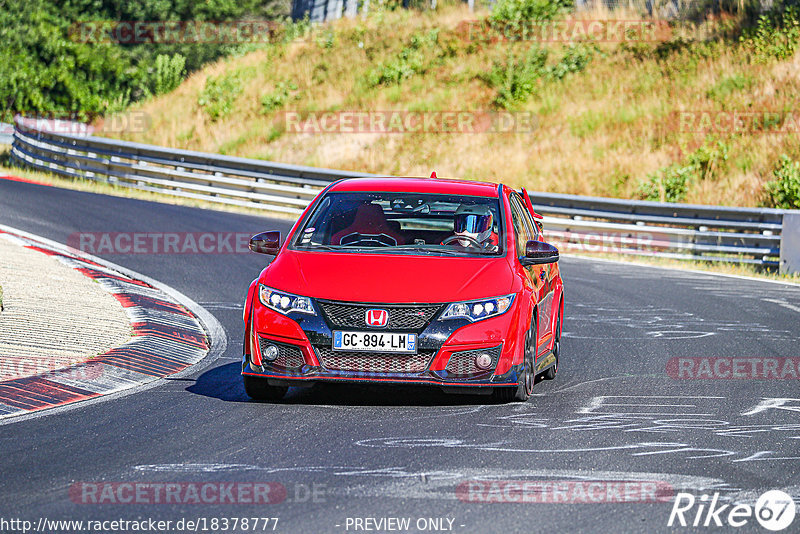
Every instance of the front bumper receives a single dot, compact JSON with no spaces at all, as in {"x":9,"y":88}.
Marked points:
{"x":446,"y":350}
{"x":311,"y":374}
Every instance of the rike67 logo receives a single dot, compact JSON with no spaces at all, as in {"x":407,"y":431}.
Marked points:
{"x":774,"y":510}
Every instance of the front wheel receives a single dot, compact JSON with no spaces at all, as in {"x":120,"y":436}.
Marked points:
{"x":527,"y":377}
{"x":259,"y":389}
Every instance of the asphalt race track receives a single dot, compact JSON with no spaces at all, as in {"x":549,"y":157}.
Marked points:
{"x":613,"y":414}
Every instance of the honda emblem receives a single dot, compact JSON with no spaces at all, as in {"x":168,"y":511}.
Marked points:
{"x":377,"y":318}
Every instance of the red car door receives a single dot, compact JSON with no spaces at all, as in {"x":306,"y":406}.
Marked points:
{"x":545,"y":280}
{"x":538,"y":275}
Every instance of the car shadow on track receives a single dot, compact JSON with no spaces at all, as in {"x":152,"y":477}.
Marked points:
{"x":224,"y":382}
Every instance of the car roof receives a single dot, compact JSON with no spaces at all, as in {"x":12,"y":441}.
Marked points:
{"x":418,"y":185}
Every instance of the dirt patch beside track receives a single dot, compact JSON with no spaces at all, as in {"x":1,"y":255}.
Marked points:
{"x":53,"y":315}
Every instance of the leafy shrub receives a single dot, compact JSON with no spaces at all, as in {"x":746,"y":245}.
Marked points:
{"x":575,"y":60}
{"x":518,"y":12}
{"x":709,"y":161}
{"x":219,"y":94}
{"x":518,"y":77}
{"x":775,"y":37}
{"x":669,"y":184}
{"x":783,"y":191}
{"x":409,"y":61}
{"x":284,"y":91}
{"x":169,"y":73}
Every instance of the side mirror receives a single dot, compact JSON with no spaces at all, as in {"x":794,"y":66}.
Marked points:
{"x":266,"y":242}
{"x":538,"y":253}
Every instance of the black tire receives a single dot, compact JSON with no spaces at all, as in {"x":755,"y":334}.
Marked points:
{"x":258,"y":388}
{"x":551,"y":372}
{"x":527,"y":377}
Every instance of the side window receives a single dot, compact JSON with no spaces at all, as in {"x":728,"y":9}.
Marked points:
{"x":522,"y":228}
{"x":534,"y":229}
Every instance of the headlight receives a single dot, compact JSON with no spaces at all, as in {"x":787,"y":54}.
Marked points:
{"x":477,"y":310}
{"x":284,"y":302}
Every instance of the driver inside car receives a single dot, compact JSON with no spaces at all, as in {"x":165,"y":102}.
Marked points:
{"x":473,"y":228}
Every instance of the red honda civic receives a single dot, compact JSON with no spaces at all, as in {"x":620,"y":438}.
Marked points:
{"x":406,"y":281}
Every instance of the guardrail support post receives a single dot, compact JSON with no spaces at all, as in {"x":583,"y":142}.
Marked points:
{"x":790,"y":243}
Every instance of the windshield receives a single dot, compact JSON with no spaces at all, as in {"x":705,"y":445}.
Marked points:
{"x":410,"y":223}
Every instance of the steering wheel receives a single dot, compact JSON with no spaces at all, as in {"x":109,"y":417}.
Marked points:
{"x":472,"y":241}
{"x":373,"y":240}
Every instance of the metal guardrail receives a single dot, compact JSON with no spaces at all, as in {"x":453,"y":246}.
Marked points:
{"x":575,"y":223}
{"x":6,"y":133}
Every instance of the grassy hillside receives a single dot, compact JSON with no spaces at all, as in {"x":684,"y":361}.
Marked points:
{"x":607,"y":115}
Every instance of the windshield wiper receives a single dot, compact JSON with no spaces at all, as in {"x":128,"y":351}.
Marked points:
{"x":433,"y":249}
{"x":320,"y":247}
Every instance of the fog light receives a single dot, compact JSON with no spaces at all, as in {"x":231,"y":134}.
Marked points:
{"x":483,"y":361}
{"x":270,"y":353}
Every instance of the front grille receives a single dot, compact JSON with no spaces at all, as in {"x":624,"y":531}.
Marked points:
{"x":374,"y":362}
{"x":462,"y":364}
{"x":289,"y":356}
{"x":401,"y":317}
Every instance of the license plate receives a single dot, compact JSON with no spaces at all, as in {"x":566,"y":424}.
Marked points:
{"x":375,"y":342}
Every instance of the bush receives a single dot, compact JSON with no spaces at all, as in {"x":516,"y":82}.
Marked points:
{"x":775,"y":37}
{"x":169,"y":73}
{"x":408,"y":62}
{"x":709,"y":161}
{"x":516,"y":13}
{"x":284,"y":91}
{"x":575,"y":60}
{"x":671,"y":183}
{"x":517,"y":78}
{"x":784,"y":190}
{"x":219,"y":94}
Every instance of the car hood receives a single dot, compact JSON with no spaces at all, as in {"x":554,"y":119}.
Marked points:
{"x":389,"y":278}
